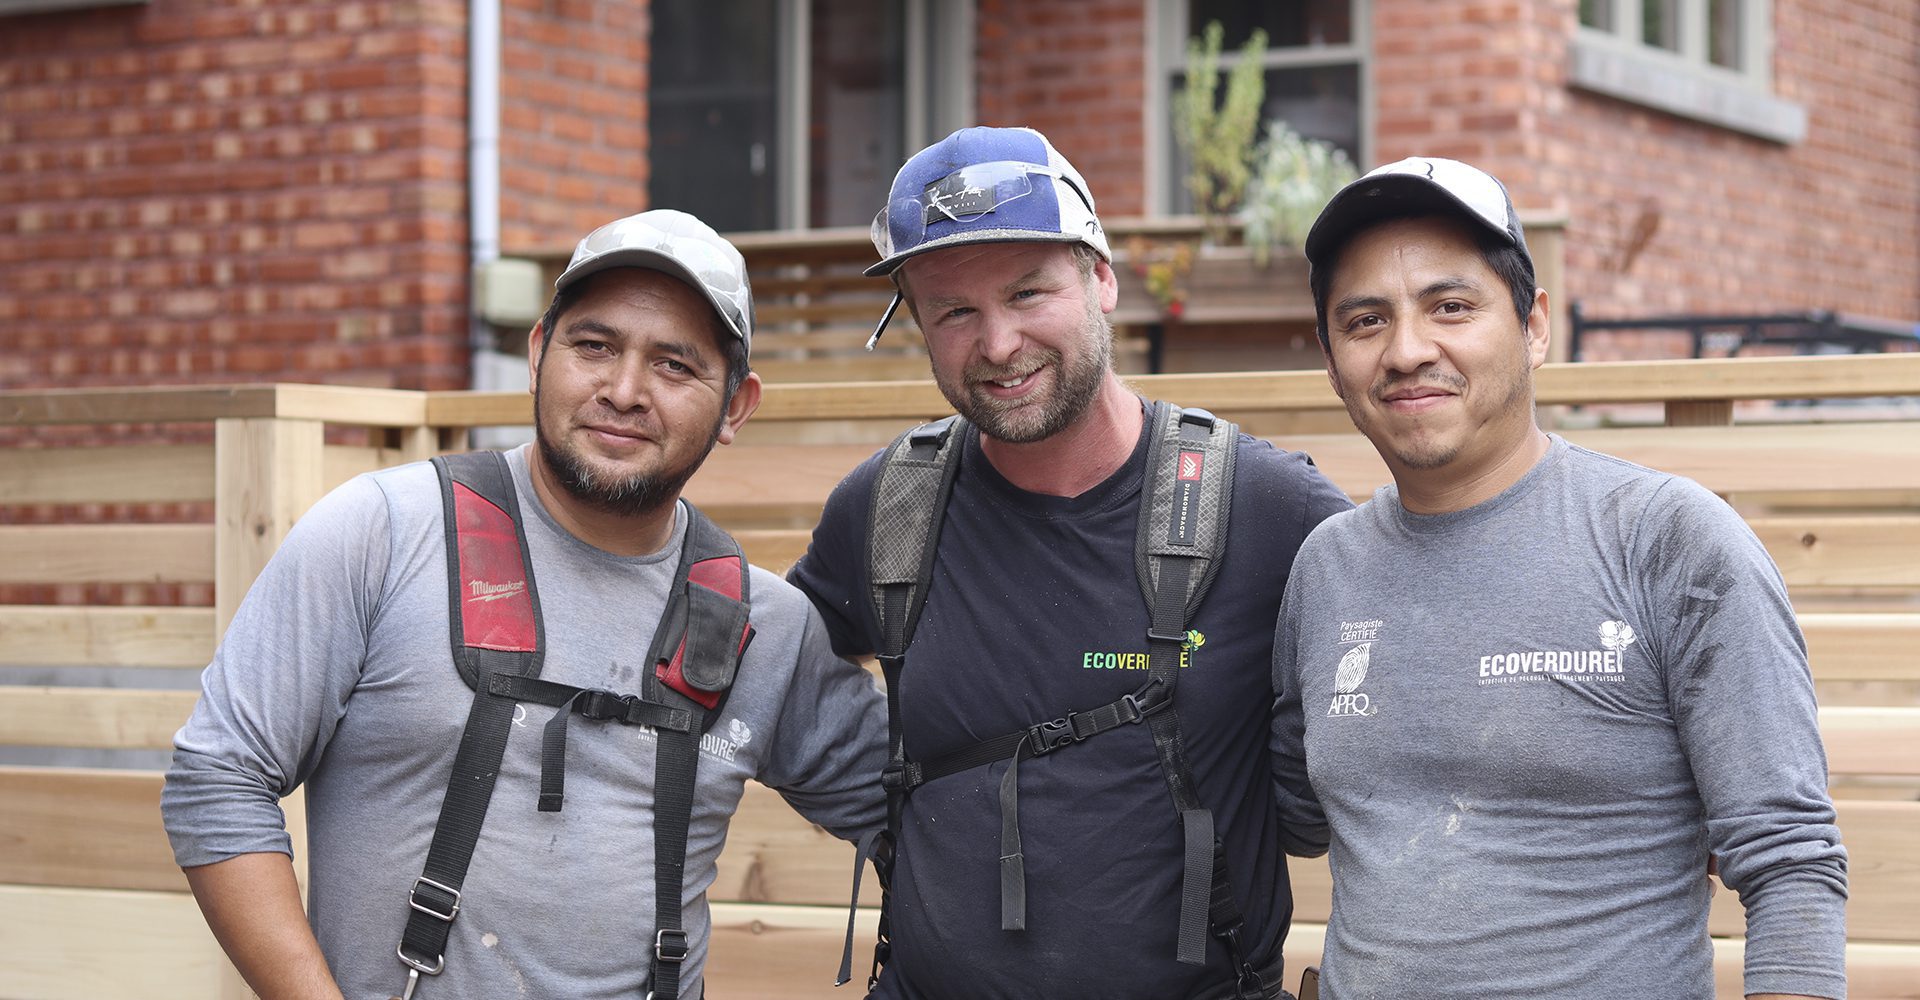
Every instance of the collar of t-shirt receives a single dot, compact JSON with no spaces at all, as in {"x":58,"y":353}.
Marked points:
{"x":1389,"y":495}
{"x":1119,"y":488}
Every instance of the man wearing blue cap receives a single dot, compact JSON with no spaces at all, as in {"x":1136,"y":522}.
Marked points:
{"x":414,"y":652}
{"x":1069,"y":822}
{"x":1535,"y":687}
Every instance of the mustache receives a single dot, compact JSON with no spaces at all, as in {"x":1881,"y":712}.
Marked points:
{"x":1021,"y":366}
{"x":1395,"y":381}
{"x":603,"y":416}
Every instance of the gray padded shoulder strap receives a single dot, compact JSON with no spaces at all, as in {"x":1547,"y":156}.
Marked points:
{"x":909,"y":497}
{"x":1186,"y":497}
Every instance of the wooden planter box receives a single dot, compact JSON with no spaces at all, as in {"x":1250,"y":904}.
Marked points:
{"x":1238,"y":315}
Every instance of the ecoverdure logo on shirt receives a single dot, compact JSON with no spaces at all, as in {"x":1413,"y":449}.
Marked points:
{"x":1093,"y":660}
{"x":1603,"y":665}
{"x":712,"y":744}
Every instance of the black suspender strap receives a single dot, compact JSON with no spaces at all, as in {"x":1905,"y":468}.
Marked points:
{"x":903,"y":533}
{"x":1183,"y":529}
{"x":497,"y":640}
{"x":695,"y":665}
{"x":495,"y":629}
{"x":676,"y":757}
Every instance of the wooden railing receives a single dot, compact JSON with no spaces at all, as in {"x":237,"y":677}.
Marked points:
{"x":815,"y":308}
{"x":84,"y":863}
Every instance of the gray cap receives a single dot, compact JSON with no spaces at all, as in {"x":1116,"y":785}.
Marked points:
{"x":674,"y":243}
{"x":1417,"y":185}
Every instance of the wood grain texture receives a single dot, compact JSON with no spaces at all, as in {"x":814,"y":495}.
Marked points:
{"x":62,"y":635}
{"x":106,"y":553}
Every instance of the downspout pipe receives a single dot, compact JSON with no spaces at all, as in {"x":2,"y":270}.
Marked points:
{"x":483,"y":159}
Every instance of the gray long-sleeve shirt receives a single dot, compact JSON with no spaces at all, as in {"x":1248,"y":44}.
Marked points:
{"x":1528,"y":723}
{"x":336,"y":673}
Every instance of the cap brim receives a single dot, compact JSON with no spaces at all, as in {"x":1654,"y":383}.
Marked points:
{"x":893,"y":263}
{"x":651,"y":260}
{"x":1387,"y":196}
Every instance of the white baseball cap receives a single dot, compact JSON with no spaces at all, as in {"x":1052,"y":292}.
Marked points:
{"x":674,"y":243}
{"x":1417,"y":185}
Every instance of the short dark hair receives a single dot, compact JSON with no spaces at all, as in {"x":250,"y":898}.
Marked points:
{"x":734,"y":348}
{"x":1509,"y":264}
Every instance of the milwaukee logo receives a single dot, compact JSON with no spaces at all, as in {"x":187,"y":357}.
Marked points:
{"x":481,"y":590}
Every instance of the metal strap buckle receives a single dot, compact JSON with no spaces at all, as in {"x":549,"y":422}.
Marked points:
{"x":413,"y":900}
{"x":417,"y":965}
{"x":670,"y":945}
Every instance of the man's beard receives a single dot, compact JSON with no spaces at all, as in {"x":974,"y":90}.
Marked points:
{"x":1075,"y":385}
{"x":628,"y":496}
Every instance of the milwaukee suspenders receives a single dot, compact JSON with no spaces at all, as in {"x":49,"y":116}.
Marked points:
{"x":497,"y":639}
{"x":1182,"y":531}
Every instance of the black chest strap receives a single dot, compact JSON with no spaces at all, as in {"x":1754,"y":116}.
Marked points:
{"x":497,"y":639}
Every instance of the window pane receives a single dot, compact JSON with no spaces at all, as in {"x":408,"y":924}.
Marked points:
{"x":858,"y":118}
{"x":712,"y":112}
{"x":1319,"y":102}
{"x":1660,"y":24}
{"x":1726,"y":21}
{"x":1597,"y":14}
{"x":1288,"y":22}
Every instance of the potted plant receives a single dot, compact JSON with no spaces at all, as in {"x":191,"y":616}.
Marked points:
{"x":1257,"y":190}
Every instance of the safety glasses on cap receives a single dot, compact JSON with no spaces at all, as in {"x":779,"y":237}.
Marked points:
{"x":962,"y":196}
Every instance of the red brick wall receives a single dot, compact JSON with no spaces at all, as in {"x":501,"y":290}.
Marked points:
{"x":1077,"y":71}
{"x":1743,"y":225}
{"x":573,"y":119}
{"x":226,"y":191}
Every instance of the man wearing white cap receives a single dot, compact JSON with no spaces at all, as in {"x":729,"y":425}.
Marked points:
{"x":416,"y":649}
{"x":1535,"y":687}
{"x":1069,"y":822}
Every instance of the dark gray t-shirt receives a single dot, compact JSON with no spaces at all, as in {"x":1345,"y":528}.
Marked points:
{"x":1528,"y":723}
{"x":336,"y":673}
{"x":1034,"y":610}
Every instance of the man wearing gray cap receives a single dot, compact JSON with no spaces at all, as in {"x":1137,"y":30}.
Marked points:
{"x":1080,"y":805}
{"x":1535,"y":688}
{"x":524,"y":691}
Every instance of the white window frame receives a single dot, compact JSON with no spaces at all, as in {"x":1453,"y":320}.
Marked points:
{"x":1617,"y":63}
{"x":1166,"y":55}
{"x":938,"y":89}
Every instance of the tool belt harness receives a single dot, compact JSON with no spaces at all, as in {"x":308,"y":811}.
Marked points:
{"x":1182,"y":531}
{"x":498,"y":641}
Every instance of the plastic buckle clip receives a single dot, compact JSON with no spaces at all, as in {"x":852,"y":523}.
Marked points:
{"x":670,"y":946}
{"x":904,"y":778}
{"x":446,"y":916}
{"x":599,"y":706}
{"x":1050,"y":736}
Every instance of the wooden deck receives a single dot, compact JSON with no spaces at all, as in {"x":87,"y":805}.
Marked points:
{"x":84,"y":863}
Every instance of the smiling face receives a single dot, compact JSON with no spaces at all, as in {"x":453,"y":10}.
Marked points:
{"x":1426,"y":351}
{"x":1017,"y":333}
{"x":630,"y":392}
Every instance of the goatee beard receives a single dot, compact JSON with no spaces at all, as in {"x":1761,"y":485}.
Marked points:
{"x":629,"y":497}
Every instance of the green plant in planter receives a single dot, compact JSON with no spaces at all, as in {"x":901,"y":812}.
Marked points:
{"x":1292,"y":180}
{"x":1218,"y":132}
